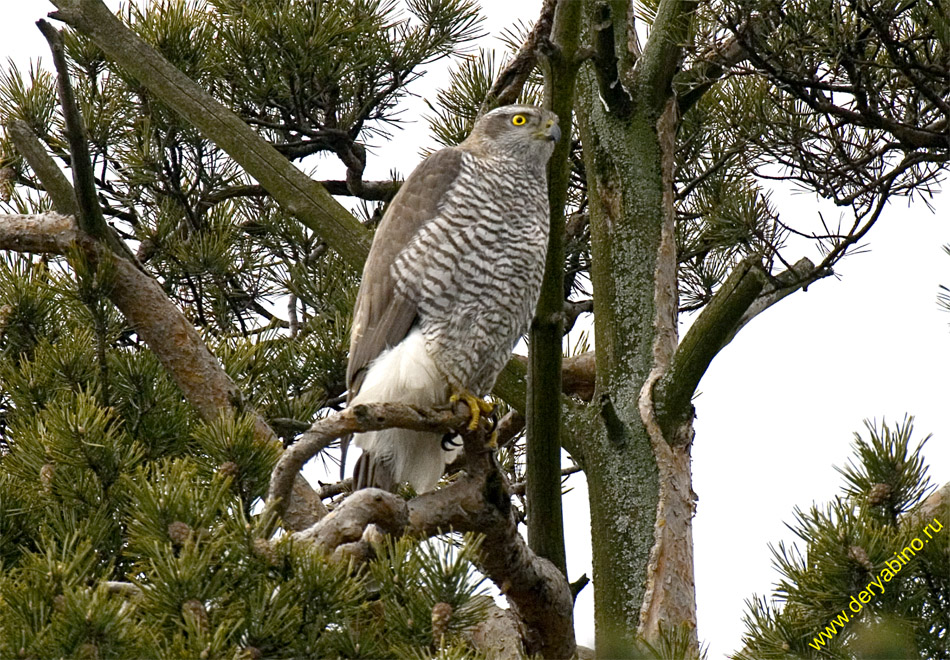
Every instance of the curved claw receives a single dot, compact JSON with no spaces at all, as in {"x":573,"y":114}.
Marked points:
{"x":477,"y":406}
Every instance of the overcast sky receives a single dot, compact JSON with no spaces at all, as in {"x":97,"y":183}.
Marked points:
{"x":779,"y":405}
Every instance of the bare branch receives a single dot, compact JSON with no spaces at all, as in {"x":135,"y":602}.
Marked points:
{"x":374,"y":191}
{"x":799,"y":276}
{"x":57,"y":185}
{"x":511,"y":81}
{"x":48,"y":233}
{"x":477,"y":501}
{"x":517,"y":488}
{"x":579,"y":375}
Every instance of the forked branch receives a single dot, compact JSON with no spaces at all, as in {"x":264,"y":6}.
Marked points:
{"x":478,"y":500}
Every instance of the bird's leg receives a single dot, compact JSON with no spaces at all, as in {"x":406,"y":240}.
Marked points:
{"x":476,"y":405}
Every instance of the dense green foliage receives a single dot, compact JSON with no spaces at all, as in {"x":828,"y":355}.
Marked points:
{"x":851,"y":542}
{"x":108,"y":476}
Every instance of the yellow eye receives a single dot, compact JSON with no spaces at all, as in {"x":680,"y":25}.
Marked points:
{"x":519,"y":120}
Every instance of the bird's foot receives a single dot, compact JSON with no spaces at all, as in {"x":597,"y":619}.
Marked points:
{"x":476,"y":406}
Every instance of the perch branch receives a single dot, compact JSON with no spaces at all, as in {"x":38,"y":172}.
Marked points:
{"x":354,"y":419}
{"x":477,"y":501}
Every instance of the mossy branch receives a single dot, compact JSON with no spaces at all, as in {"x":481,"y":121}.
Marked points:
{"x":543,"y":460}
{"x":291,"y":188}
{"x":708,"y":334}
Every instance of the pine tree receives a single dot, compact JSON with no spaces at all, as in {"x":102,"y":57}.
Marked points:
{"x":872,"y":579}
{"x":144,"y":394}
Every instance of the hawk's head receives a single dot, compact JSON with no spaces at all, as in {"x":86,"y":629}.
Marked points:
{"x":518,"y":131}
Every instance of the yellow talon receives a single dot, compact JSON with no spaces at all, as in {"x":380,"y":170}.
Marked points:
{"x":493,"y":441}
{"x":476,"y":406}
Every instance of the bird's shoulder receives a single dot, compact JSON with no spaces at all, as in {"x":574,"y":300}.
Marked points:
{"x":382,"y":317}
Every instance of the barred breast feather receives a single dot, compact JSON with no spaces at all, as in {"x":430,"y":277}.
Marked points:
{"x":449,"y":287}
{"x":475,"y":270}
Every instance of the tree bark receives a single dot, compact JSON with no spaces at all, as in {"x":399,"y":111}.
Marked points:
{"x":638,"y":480}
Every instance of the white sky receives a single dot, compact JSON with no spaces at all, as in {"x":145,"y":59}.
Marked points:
{"x":779,"y":405}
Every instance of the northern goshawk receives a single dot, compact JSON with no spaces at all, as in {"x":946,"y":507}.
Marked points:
{"x":449,"y":286}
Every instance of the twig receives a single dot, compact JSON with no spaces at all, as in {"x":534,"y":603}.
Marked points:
{"x":511,"y":81}
{"x":517,"y":488}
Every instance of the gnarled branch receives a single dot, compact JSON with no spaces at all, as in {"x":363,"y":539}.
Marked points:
{"x":477,"y":501}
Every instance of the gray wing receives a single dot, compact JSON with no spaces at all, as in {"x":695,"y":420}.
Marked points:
{"x":382,"y":318}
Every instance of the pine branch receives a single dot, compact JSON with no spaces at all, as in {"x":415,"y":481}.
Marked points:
{"x":170,"y":335}
{"x":511,"y":80}
{"x":518,"y":488}
{"x":290,"y":187}
{"x":478,"y":501}
{"x":708,"y":334}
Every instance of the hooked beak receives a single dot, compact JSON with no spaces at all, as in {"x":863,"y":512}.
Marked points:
{"x":552,"y":131}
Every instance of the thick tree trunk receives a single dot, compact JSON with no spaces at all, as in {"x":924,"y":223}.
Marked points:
{"x":638,"y":472}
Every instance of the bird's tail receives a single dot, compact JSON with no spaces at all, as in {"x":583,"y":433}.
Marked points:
{"x":394,"y":456}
